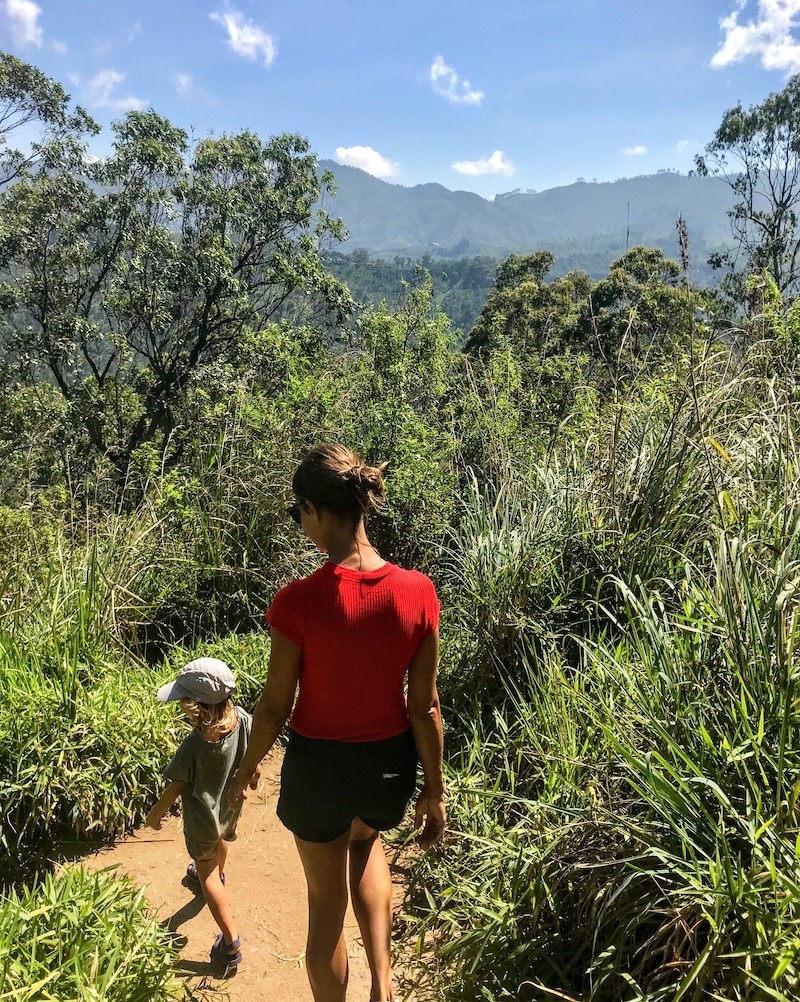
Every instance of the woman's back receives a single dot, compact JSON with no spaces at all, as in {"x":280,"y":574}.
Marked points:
{"x":358,"y":632}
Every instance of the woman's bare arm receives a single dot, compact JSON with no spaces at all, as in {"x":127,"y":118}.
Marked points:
{"x":271,"y":712}
{"x":426,"y":724}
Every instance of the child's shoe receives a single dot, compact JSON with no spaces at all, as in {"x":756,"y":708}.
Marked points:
{"x":223,"y":962}
{"x":191,"y":874}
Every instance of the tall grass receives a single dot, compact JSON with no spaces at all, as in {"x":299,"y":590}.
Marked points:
{"x":84,"y":766}
{"x":624,"y":820}
{"x":628,"y":830}
{"x":620,"y":670}
{"x":83,"y":741}
{"x":533,"y":558}
{"x":87,"y":937}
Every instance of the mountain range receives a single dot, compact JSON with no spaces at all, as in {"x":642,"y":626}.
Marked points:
{"x":586,"y":224}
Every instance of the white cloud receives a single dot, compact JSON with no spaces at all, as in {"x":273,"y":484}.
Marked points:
{"x":634,"y":151}
{"x":134,"y":31}
{"x":687,"y":144}
{"x":768,"y":37}
{"x":98,"y":93}
{"x":245,"y":37}
{"x":186,"y":87}
{"x":447,"y":84}
{"x":495,"y":164}
{"x":23,"y":22}
{"x":59,"y":47}
{"x":367,"y":159}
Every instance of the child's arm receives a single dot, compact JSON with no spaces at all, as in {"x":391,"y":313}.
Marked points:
{"x":163,"y":804}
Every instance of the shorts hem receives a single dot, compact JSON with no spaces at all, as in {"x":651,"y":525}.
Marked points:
{"x":202,"y":851}
{"x":317,"y":838}
{"x":326,"y":785}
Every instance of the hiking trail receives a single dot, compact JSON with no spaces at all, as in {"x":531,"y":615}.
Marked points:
{"x":268,"y":891}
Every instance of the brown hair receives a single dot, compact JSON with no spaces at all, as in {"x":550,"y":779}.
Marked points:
{"x":337,"y":479}
{"x":213,"y":720}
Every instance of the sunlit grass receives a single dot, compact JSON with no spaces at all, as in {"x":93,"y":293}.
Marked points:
{"x":84,"y":936}
{"x":624,"y":780}
{"x":619,"y":676}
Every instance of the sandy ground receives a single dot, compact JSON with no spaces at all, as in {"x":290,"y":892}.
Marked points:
{"x":267,"y":887}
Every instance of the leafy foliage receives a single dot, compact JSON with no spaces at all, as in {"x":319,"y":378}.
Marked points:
{"x":130,"y":277}
{"x":757,"y":152}
{"x":28,"y":98}
{"x":624,"y":823}
{"x":84,"y":936}
{"x":605,"y":494}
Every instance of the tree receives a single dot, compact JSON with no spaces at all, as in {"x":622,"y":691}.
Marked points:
{"x":638,"y":312}
{"x":529,"y":360}
{"x":398,"y":383}
{"x":535,"y":317}
{"x":28,"y":98}
{"x":757,"y":153}
{"x":130,"y":276}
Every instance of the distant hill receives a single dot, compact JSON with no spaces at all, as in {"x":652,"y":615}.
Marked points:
{"x":585,"y":224}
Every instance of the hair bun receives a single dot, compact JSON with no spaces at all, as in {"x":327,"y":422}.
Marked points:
{"x":368,"y":478}
{"x":336,"y":478}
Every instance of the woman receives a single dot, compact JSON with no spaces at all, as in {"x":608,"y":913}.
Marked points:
{"x":348,"y":637}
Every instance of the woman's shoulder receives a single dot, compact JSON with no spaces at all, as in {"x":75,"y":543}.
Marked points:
{"x":408,"y":577}
{"x":299,"y":586}
{"x":411,"y":574}
{"x":291,"y":601}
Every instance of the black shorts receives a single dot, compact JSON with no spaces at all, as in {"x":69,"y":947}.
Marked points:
{"x":325,"y":785}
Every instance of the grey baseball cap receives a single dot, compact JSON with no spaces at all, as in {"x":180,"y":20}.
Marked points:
{"x":208,"y":680}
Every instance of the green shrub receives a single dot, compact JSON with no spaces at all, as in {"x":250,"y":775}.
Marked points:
{"x":80,"y":937}
{"x":78,"y":760}
{"x":84,"y":744}
{"x":627,"y":831}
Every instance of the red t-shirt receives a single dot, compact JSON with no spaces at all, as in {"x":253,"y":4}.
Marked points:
{"x":358,"y":632}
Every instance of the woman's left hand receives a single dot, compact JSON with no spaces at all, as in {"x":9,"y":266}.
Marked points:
{"x":430,"y":819}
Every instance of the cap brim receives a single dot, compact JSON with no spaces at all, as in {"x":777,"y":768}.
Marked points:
{"x":169,"y":692}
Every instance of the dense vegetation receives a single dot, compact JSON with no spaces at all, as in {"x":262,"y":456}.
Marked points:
{"x":603,"y":482}
{"x":459,"y":287}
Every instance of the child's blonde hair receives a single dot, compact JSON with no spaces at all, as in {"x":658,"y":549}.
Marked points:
{"x":204,"y":717}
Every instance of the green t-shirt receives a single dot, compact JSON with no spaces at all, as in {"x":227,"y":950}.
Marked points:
{"x":206,"y":768}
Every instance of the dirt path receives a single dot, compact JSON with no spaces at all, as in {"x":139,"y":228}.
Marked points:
{"x":267,"y":887}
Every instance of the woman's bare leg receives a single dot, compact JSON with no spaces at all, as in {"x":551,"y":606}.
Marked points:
{"x":371,"y":891}
{"x":325,"y":865}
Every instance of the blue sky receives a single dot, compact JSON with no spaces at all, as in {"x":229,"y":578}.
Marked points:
{"x":484,"y":97}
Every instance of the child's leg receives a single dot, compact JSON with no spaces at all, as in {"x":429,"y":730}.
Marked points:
{"x":208,"y":871}
{"x":222,"y":856}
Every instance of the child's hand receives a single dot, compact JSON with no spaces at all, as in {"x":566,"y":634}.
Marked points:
{"x":241,"y":781}
{"x":153,"y":820}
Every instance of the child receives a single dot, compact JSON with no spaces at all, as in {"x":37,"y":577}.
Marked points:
{"x":201,"y":774}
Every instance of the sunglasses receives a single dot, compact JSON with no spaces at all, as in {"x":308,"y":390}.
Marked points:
{"x":293,"y":511}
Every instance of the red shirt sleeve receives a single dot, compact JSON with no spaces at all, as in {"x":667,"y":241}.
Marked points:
{"x":285,"y":613}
